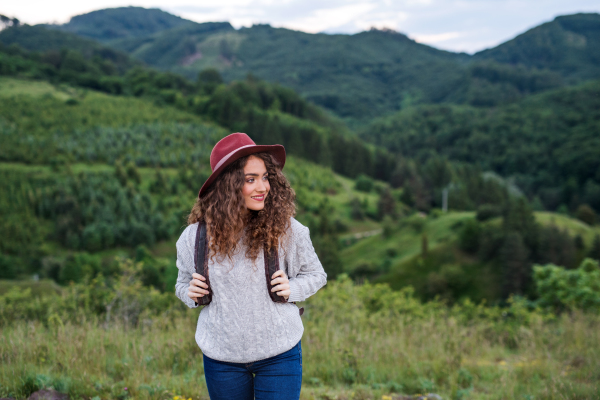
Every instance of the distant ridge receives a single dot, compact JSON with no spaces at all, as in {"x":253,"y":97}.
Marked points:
{"x":569,"y":45}
{"x":39,"y":38}
{"x":123,"y":22}
{"x":360,"y":76}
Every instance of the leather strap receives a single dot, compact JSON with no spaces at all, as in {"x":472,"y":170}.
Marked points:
{"x":272,"y":266}
{"x":201,"y":261}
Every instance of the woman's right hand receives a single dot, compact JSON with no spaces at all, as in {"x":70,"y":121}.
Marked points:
{"x":198,"y":287}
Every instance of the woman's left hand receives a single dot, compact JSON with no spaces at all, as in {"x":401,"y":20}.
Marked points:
{"x":280,"y":279}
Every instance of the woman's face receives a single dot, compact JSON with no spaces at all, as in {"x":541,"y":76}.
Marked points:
{"x":256,"y":184}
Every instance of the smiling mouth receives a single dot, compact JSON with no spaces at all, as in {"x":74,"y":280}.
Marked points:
{"x":258,"y":198}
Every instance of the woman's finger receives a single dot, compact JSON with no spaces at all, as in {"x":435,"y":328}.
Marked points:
{"x":194,"y":296}
{"x":198,"y":276}
{"x":281,"y":287}
{"x":279,"y":280}
{"x":197,"y":282}
{"x":278,"y":273}
{"x":196,"y":289}
{"x":284,"y":293}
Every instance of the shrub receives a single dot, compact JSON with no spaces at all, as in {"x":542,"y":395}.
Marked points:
{"x":586,"y":214}
{"x":569,"y":289}
{"x":364,"y":183}
{"x":488,"y":211}
{"x":468,"y":237}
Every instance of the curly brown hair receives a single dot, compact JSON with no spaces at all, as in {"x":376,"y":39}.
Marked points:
{"x":222,"y":208}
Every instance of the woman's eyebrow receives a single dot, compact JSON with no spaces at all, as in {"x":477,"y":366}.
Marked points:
{"x":255,"y":174}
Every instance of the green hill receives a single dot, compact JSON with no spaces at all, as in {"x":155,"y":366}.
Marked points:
{"x":428,"y":253}
{"x":91,"y":172}
{"x":372,"y":66}
{"x":53,"y":42}
{"x":568,"y":45}
{"x":123,"y":22}
{"x":358,"y":76}
{"x":549,"y":142}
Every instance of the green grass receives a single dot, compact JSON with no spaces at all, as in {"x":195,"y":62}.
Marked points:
{"x":406,"y":241}
{"x":43,"y":287}
{"x":573,"y":226}
{"x":37,"y":107}
{"x":11,"y":87}
{"x":360,"y":342}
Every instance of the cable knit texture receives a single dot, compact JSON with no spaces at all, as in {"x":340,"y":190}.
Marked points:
{"x":242,"y":324}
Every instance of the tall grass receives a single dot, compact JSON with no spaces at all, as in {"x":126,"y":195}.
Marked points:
{"x":360,"y":342}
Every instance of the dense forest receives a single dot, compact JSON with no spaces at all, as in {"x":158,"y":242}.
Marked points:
{"x":549,"y":143}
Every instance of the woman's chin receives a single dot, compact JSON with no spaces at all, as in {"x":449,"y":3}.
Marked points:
{"x":256,"y":207}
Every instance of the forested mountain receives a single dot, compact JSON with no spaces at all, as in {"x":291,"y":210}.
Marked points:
{"x":549,"y":142}
{"x":123,"y":22}
{"x":368,"y":74}
{"x":375,"y":63}
{"x":53,"y":43}
{"x":568,"y":45}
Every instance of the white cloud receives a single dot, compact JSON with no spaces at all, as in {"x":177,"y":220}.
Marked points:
{"x":328,"y":18}
{"x":437,"y":37}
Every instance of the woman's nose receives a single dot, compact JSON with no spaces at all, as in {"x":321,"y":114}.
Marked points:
{"x":261,"y":186}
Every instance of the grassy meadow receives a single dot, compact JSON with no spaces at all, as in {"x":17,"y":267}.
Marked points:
{"x":360,"y":342}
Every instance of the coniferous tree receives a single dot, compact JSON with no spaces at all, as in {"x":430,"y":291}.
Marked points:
{"x":518,"y":217}
{"x":120,"y":173}
{"x":387,"y":204}
{"x":514,"y":257}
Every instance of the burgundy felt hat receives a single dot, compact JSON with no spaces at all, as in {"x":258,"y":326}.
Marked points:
{"x":235,"y":146}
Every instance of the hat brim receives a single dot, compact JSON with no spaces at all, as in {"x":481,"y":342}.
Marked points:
{"x":276,"y":150}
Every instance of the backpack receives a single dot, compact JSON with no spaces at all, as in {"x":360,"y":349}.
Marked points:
{"x":201,"y":264}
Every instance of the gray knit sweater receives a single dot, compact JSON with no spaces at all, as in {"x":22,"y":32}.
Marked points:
{"x":242,"y":324}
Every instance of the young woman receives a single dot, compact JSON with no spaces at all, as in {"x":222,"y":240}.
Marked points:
{"x":250,"y":343}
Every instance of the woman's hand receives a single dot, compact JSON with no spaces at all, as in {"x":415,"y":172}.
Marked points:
{"x":280,"y":279}
{"x":198,"y":287}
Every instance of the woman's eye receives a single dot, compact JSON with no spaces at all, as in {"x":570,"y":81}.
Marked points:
{"x":251,"y":180}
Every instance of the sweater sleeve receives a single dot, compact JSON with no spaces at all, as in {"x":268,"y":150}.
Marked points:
{"x":185,"y":265}
{"x":305,"y":272}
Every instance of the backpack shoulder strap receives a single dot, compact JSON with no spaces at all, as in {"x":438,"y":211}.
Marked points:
{"x":272,"y":266}
{"x":201,"y":260}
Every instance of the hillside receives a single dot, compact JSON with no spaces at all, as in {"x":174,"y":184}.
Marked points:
{"x":371,"y":65}
{"x":123,"y":22}
{"x":568,"y":45}
{"x":96,"y":172}
{"x":379,"y":71}
{"x":429,"y":254}
{"x":548,"y":142}
{"x":53,"y":42}
{"x":359,"y":76}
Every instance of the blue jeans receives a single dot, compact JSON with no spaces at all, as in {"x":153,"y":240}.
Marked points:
{"x":274,"y":378}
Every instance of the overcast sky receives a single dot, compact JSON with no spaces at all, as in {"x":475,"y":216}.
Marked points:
{"x":456,"y":25}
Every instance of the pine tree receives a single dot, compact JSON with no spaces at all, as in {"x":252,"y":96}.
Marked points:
{"x":387,"y":204}
{"x":515,"y":260}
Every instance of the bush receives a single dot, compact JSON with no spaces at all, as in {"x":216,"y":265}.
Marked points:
{"x":586,"y":214}
{"x":569,"y":289}
{"x":364,"y":183}
{"x":487,"y":211}
{"x":468,"y":237}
